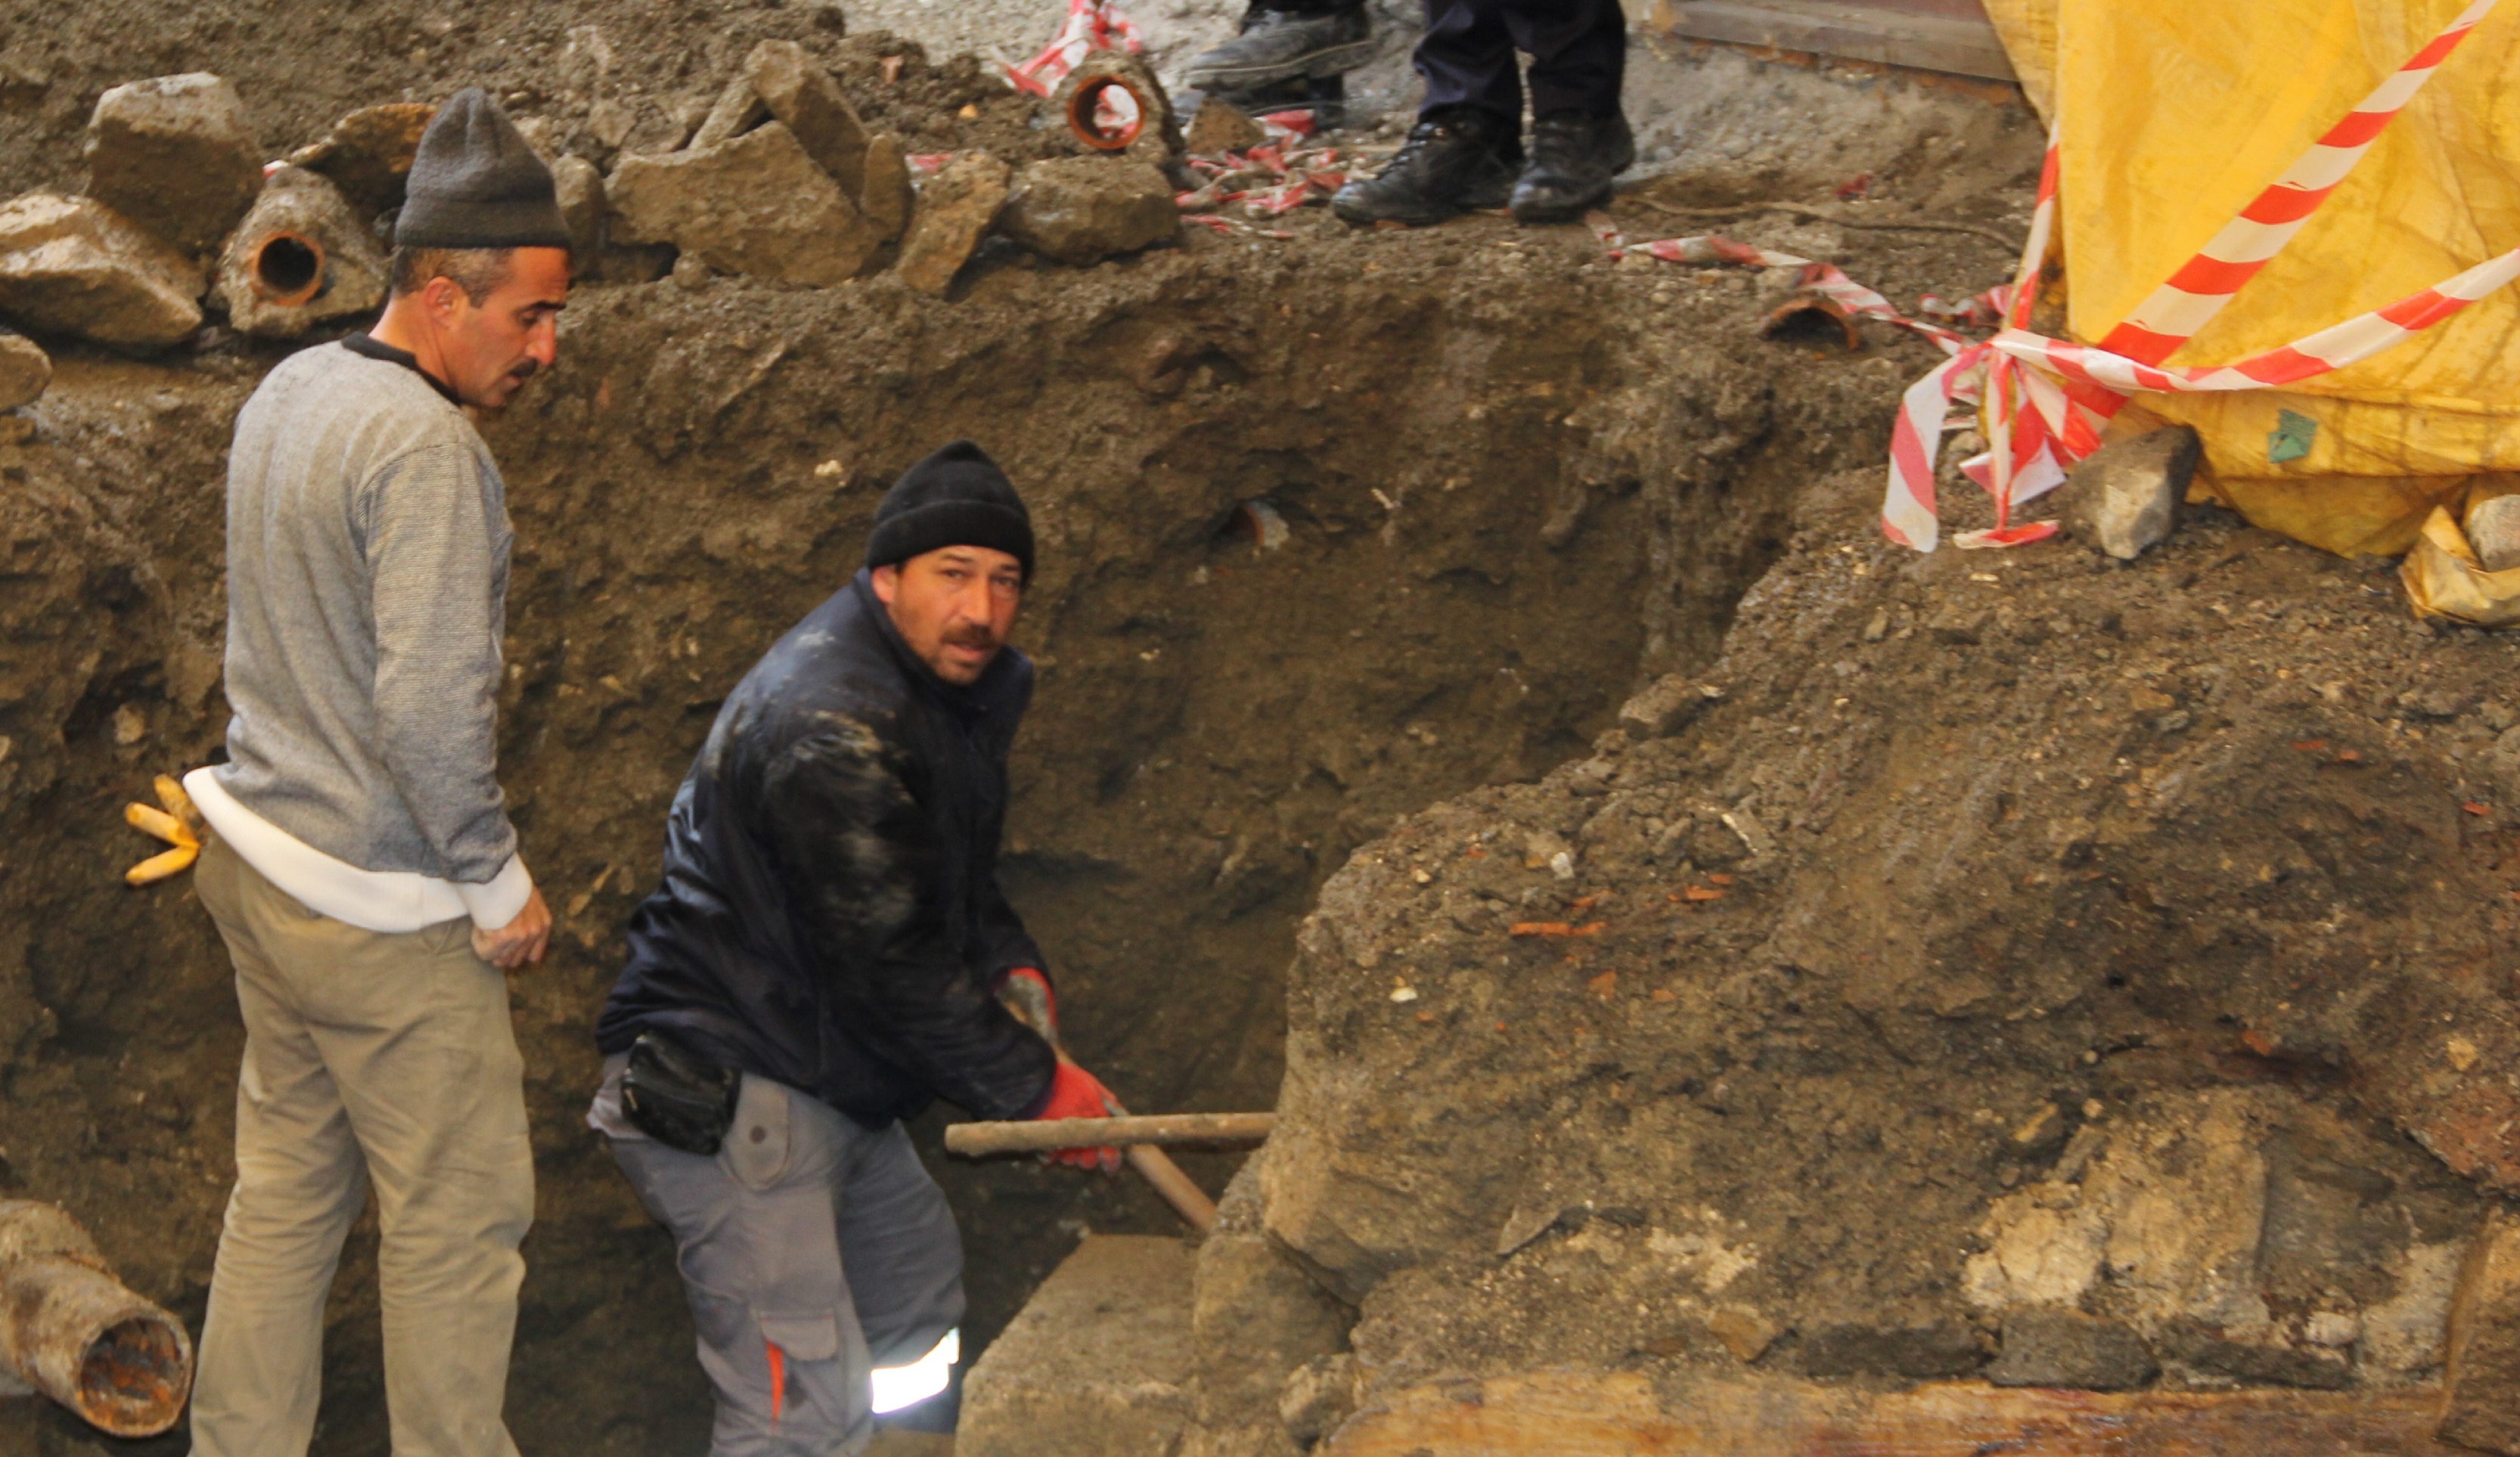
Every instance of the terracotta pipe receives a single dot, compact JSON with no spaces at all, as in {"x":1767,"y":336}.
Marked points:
{"x":69,"y":1330}
{"x":287,"y":269}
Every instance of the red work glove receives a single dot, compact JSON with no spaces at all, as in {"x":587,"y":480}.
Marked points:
{"x":1077,"y":1093}
{"x":1026,"y":993}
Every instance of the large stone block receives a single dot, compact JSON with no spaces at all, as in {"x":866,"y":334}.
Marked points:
{"x":302,"y":255}
{"x":1096,"y":1362}
{"x":580,"y":190}
{"x":2052,"y":1347}
{"x":1926,"y":1351}
{"x":1082,"y":209}
{"x":953,"y":214}
{"x":757,"y":204}
{"x":889,"y":196}
{"x":26,"y":370}
{"x":2125,"y":498}
{"x":368,"y":153}
{"x":805,"y":99}
{"x":72,"y":265}
{"x":2483,"y":1380}
{"x":176,"y":155}
{"x":1256,"y":1317}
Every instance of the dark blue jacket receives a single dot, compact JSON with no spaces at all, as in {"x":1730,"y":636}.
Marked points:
{"x":831,"y":916}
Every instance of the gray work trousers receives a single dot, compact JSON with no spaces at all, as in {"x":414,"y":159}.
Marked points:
{"x":370,"y":1059}
{"x":807,"y":1234}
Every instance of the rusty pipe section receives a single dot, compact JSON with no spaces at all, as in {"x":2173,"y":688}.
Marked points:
{"x":69,"y":1330}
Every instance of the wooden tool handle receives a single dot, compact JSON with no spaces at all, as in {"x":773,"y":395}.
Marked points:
{"x":979,"y":1140}
{"x":1187,"y":1199}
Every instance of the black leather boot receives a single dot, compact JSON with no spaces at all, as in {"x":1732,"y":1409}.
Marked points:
{"x":1454,"y":160}
{"x":1573,"y":157}
{"x":1281,"y":46}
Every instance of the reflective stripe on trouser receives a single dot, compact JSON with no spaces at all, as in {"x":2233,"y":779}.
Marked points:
{"x":368,"y":1059}
{"x":808,"y":1235}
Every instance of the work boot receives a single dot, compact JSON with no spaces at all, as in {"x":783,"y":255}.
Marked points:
{"x":1454,"y":160}
{"x":1573,"y":157}
{"x":1276,"y":46}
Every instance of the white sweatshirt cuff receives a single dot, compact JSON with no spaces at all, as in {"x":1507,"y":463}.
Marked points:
{"x":502,"y":898}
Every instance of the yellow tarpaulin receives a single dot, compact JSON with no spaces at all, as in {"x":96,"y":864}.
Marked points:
{"x":2176,"y":114}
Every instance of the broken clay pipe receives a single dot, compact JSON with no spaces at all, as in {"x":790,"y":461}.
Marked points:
{"x":980,"y":1140}
{"x":69,"y":1330}
{"x":1812,"y":316}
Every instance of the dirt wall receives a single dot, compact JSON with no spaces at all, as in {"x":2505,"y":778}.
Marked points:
{"x":1507,"y":493}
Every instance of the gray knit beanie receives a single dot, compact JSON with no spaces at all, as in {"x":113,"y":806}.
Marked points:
{"x":475,"y":184}
{"x":956,"y":496}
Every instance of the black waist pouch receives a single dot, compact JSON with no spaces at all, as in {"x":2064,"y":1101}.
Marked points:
{"x":677,"y":1097}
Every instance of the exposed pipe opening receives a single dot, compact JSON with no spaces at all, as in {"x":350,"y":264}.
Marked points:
{"x":1106,"y":113}
{"x":69,"y":1330}
{"x":133,"y":1376}
{"x":287,"y":269}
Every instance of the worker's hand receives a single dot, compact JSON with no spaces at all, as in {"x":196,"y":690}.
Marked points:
{"x":1026,"y":993}
{"x":518,"y":940}
{"x":1077,"y":1093}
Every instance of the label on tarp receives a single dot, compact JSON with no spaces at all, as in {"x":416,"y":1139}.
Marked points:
{"x":2292,"y":436}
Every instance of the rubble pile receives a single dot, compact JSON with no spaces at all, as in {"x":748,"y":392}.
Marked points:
{"x":2041,"y":970}
{"x":184,"y":223}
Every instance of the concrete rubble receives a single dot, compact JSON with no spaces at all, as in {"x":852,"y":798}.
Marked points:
{"x":175,"y":154}
{"x":1097,"y":1361}
{"x":579,"y":187}
{"x":889,"y":196}
{"x":757,"y":204}
{"x":1083,"y":209}
{"x":2123,"y":498}
{"x":1265,"y":1340}
{"x":302,"y":257}
{"x":955,"y":212}
{"x":2482,"y":1409}
{"x":2044,"y":1345}
{"x":75,"y":266}
{"x":779,"y":179}
{"x":25,"y":370}
{"x":1217,"y":128}
{"x":801,"y":94}
{"x":2494,"y":530}
{"x":368,"y":153}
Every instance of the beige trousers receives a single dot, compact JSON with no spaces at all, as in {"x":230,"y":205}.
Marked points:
{"x":368,"y":1059}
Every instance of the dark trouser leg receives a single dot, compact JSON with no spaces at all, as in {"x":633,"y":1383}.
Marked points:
{"x":1579,"y":53}
{"x":1466,"y":58}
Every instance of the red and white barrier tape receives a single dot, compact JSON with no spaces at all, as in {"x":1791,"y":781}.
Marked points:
{"x":1303,"y":175}
{"x":1927,"y":402}
{"x":1090,"y":26}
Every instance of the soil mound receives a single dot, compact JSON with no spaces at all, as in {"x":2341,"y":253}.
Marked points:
{"x":2103,"y":971}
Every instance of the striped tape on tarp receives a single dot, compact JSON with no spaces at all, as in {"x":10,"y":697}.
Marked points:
{"x":2197,"y":291}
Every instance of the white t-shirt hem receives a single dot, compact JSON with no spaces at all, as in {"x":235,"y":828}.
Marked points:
{"x":390,"y":901}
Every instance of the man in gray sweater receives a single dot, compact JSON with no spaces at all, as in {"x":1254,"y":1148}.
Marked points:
{"x":363,"y":870}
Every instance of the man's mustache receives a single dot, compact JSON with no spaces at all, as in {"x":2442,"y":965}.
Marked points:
{"x":971,"y":634}
{"x":525,"y":370}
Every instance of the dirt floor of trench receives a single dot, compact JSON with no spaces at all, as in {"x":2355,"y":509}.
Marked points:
{"x":1515,"y":481}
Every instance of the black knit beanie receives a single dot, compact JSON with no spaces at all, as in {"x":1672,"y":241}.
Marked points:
{"x":474,"y":184}
{"x":956,"y":496}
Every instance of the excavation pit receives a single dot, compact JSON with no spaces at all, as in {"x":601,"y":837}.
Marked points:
{"x":1319,"y":548}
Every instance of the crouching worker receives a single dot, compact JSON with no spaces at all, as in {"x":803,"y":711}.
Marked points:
{"x":825,"y":956}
